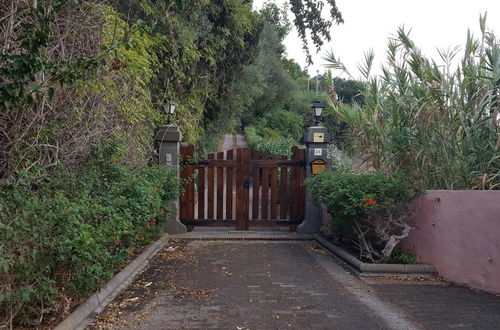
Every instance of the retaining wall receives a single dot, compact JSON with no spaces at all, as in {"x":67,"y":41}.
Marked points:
{"x":458,"y":231}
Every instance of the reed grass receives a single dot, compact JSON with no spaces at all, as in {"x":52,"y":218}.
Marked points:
{"x":436,"y":120}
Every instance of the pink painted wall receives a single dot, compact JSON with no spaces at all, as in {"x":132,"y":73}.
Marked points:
{"x":458,"y":231}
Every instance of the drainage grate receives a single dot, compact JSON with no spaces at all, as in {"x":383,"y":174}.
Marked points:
{"x":241,"y":238}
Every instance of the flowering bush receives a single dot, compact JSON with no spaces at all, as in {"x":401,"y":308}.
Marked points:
{"x":369,"y":209}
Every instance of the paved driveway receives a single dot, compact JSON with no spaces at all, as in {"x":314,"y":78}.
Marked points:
{"x":232,"y":141}
{"x":280,"y":285}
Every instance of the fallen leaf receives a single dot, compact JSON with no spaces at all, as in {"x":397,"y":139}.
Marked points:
{"x":133,"y":299}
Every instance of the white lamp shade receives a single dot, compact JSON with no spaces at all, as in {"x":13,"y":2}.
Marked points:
{"x":171,"y":107}
{"x":318,"y":107}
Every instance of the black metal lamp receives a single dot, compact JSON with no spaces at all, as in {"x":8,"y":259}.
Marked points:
{"x":317,"y":108}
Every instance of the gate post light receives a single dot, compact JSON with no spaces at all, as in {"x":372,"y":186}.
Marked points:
{"x":168,"y":140}
{"x":169,"y":108}
{"x":317,"y":108}
{"x":316,"y":139}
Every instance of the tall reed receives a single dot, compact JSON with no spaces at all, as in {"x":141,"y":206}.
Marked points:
{"x":438,"y":121}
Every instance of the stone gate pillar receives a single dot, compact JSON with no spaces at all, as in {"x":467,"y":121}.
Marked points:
{"x":168,"y":139}
{"x":316,"y":139}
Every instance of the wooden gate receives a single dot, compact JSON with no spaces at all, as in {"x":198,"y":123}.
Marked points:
{"x":242,"y":188}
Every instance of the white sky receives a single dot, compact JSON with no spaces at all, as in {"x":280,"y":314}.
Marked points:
{"x":368,"y":24}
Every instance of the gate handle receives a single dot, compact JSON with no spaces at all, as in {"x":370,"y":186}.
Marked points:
{"x":246,"y":184}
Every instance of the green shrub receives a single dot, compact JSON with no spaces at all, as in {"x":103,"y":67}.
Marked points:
{"x":61,"y":237}
{"x":285,"y":123}
{"x":273,"y":146}
{"x":276,"y":132}
{"x":346,"y":195}
{"x":370,"y":209}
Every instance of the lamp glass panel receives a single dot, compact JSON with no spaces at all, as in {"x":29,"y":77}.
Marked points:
{"x":318,"y":111}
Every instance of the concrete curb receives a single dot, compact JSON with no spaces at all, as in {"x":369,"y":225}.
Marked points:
{"x":366,"y":269}
{"x":85,"y":313}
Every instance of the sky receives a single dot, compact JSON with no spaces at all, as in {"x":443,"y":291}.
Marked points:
{"x":369,"y":24}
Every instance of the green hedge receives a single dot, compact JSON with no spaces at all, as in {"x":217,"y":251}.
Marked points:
{"x":274,"y":146}
{"x":286,"y":124}
{"x":63,"y":236}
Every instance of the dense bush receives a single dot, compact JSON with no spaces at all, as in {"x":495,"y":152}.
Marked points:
{"x":63,"y":235}
{"x":371,"y":209}
{"x":73,"y":72}
{"x":285,"y":123}
{"x":276,"y":132}
{"x":274,"y":146}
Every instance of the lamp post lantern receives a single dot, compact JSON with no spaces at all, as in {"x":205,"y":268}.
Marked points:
{"x":317,"y":108}
{"x":171,"y":107}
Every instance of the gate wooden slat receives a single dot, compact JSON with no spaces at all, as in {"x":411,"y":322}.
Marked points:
{"x":246,"y":191}
{"x":255,"y":193}
{"x":229,"y":187}
{"x":183,"y":175}
{"x":294,"y":184}
{"x":274,"y":192}
{"x":300,"y":186}
{"x":302,"y":189}
{"x":239,"y":190}
{"x":210,"y":193}
{"x":201,"y":193}
{"x":283,"y":190}
{"x":298,"y":193}
{"x":220,"y":188}
{"x":265,"y":193}
{"x":190,"y":188}
{"x":187,"y":172}
{"x":255,"y":186}
{"x":241,"y":196}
